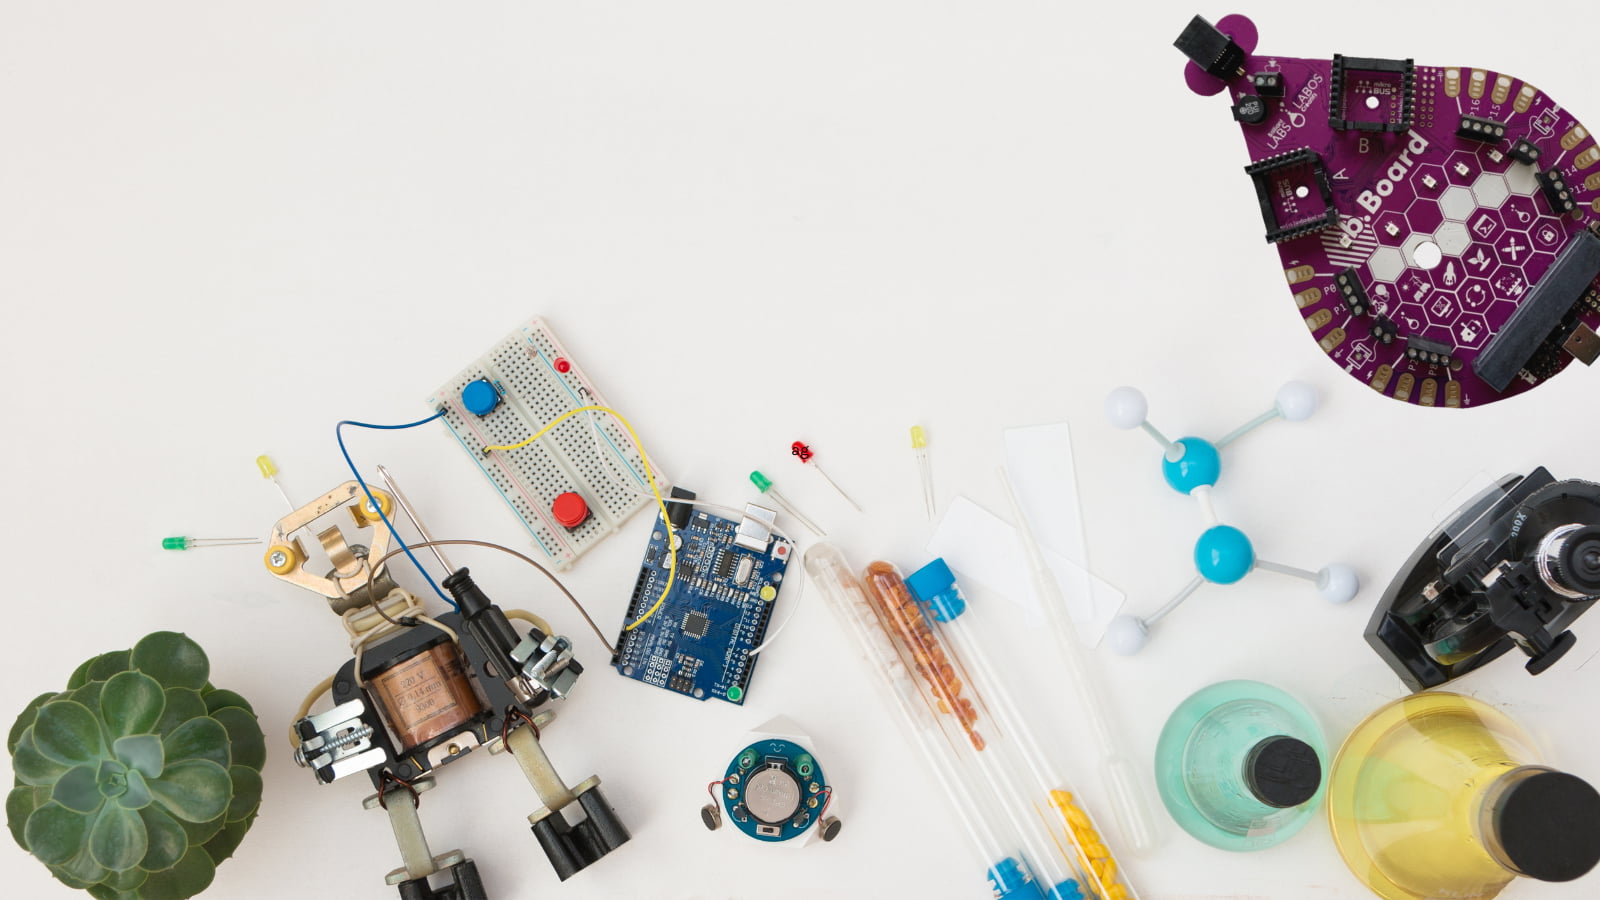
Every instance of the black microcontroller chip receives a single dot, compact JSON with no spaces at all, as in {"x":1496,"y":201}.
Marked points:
{"x":695,"y":624}
{"x":725,"y":564}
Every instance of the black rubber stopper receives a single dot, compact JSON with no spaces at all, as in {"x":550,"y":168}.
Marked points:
{"x":1549,"y":826}
{"x":1283,"y":771}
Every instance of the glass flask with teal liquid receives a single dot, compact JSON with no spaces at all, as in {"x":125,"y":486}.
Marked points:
{"x":1240,"y":765}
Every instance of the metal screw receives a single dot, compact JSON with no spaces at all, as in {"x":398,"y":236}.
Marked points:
{"x":277,"y":558}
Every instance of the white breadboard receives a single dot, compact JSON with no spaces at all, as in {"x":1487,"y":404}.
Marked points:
{"x":524,"y":369}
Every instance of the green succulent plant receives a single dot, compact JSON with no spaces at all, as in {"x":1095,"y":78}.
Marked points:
{"x":140,"y":777}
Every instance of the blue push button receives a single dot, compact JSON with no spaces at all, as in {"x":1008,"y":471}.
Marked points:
{"x":480,"y":398}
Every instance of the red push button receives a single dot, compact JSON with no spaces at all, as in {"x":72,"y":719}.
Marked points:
{"x":570,"y":510}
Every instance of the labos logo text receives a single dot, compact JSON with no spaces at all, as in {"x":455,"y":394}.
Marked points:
{"x":1372,"y":200}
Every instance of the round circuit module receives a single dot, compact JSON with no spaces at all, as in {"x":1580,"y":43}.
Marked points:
{"x":773,"y":791}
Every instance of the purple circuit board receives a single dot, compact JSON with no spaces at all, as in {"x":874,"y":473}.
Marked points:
{"x":1433,"y":222}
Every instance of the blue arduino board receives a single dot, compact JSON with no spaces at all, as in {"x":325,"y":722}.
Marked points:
{"x":698,"y":643}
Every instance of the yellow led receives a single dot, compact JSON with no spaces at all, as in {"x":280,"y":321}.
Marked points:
{"x":919,"y":438}
{"x":768,"y":592}
{"x":264,"y":463}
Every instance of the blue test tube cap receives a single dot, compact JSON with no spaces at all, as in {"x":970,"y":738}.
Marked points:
{"x":934,"y":586}
{"x":1010,"y":880}
{"x":1066,"y":890}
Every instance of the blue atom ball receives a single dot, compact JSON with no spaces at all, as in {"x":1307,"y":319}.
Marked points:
{"x":1223,"y":554}
{"x":1199,"y":467}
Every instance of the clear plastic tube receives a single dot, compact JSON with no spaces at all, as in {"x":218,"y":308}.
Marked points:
{"x":1131,"y":804}
{"x":948,"y":691}
{"x":1009,"y":868}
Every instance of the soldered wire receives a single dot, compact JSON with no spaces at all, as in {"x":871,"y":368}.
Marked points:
{"x":672,"y":558}
{"x":530,"y":561}
{"x":338,"y":432}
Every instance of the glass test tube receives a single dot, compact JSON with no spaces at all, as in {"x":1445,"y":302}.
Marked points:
{"x":1053,"y":799}
{"x":949,"y":692}
{"x":1008,"y":868}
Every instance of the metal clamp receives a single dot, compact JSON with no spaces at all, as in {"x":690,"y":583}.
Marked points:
{"x":545,"y":662}
{"x":339,"y":742}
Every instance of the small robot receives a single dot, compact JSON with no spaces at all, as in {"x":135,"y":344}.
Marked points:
{"x":424,"y":691}
{"x":1223,"y":554}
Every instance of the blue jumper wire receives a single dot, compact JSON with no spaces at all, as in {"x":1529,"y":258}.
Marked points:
{"x":338,"y":433}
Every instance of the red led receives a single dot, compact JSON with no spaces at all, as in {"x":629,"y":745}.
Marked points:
{"x":562,"y":365}
{"x":800,"y":449}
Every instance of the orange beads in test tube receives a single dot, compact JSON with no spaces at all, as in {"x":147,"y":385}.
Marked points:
{"x":903,"y":618}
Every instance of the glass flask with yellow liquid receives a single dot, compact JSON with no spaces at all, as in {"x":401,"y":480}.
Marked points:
{"x":1438,"y":796}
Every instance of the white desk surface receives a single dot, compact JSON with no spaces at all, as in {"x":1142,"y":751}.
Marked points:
{"x":224,"y":227}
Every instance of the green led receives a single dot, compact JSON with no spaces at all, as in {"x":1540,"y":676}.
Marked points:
{"x":747,"y":759}
{"x":178,"y":542}
{"x":764,"y":483}
{"x":735,"y":693}
{"x":805,"y":765}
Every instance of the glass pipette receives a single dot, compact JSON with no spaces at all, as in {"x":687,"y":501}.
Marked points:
{"x":1008,"y":870}
{"x":1130,"y":802}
